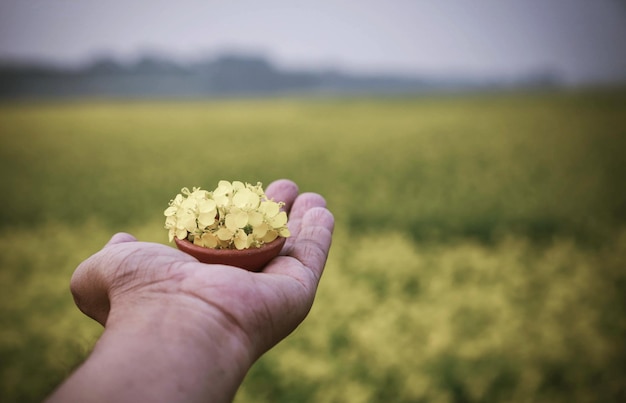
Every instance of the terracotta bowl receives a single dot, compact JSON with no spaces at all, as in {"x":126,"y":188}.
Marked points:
{"x":253,"y":259}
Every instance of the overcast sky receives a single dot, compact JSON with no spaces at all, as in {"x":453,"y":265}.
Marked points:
{"x":582,"y":39}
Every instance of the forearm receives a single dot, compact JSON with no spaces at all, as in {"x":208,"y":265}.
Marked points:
{"x":160,"y":354}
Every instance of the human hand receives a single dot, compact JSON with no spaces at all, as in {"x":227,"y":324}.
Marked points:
{"x":225,"y":315}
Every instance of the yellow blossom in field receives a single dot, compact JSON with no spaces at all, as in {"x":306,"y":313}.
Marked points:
{"x":236,"y":215}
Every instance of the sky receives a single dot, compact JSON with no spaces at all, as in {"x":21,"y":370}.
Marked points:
{"x":581,"y":40}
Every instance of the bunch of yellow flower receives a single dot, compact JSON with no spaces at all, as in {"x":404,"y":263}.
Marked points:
{"x":235,"y":215}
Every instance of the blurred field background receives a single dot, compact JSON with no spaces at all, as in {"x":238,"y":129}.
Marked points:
{"x":479,"y":254}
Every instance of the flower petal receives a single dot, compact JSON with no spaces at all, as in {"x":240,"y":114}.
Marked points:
{"x":279,"y":220}
{"x":224,"y":234}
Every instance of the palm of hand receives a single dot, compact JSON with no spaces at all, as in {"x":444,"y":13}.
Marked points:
{"x":262,"y":308}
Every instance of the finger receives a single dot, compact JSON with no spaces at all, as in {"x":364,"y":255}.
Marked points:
{"x":301,"y":205}
{"x":120,"y":237}
{"x":88,"y":285}
{"x":283,"y":190}
{"x":90,"y":290}
{"x":313,"y":242}
{"x":310,"y":248}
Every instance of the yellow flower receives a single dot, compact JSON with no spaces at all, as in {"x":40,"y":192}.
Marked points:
{"x":207,"y":211}
{"x":174,"y":230}
{"x":222,"y":193}
{"x":242,"y":240}
{"x":260,"y":230}
{"x":246,"y":199}
{"x":207,"y":239}
{"x":269,"y":208}
{"x":174,"y":205}
{"x":279,"y":220}
{"x":236,"y":220}
{"x":234,"y":215}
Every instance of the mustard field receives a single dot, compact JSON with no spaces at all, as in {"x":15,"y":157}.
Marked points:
{"x":479,"y":253}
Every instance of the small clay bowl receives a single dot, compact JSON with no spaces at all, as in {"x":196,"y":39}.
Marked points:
{"x":252,"y":259}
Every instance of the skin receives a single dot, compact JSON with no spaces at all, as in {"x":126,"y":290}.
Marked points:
{"x":176,"y":330}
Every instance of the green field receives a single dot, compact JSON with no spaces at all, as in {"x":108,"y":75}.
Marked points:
{"x":479,"y":253}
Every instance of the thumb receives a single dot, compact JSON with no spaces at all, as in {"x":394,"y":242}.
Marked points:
{"x":120,"y":237}
{"x":89,"y":285}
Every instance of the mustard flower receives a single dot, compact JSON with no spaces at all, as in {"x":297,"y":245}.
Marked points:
{"x":236,"y":215}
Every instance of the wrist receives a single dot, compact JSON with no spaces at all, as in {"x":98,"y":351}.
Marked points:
{"x":163,"y":348}
{"x":190,"y":346}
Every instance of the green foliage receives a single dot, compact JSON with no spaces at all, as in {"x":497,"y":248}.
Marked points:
{"x":479,"y":253}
